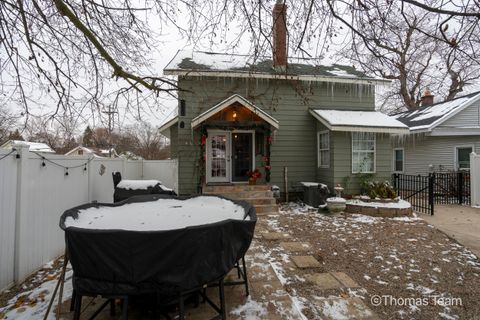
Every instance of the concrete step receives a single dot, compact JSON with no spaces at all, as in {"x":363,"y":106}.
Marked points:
{"x":262,"y":214}
{"x":260,"y":201}
{"x":235,"y":188}
{"x":266,"y":208}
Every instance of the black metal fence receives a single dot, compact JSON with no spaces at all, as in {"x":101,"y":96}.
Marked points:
{"x":423,"y":192}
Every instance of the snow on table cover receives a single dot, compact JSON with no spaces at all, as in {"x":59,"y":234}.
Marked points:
{"x":162,"y":214}
{"x":137,"y":184}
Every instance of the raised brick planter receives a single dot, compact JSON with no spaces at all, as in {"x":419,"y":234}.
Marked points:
{"x":378,"y":211}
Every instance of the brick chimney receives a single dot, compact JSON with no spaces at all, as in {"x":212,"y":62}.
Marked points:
{"x":427,"y":98}
{"x":280,"y":36}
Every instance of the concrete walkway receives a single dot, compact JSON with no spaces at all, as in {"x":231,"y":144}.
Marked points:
{"x":459,"y":222}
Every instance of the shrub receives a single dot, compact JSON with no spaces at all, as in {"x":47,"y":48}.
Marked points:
{"x":382,"y":190}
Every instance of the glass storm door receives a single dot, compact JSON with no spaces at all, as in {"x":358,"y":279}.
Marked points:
{"x":242,"y":154}
{"x":218,"y":156}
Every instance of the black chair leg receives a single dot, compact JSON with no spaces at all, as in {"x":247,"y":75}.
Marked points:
{"x":125,"y":308}
{"x":245,"y":275}
{"x":181,"y":308}
{"x":221,"y":289}
{"x":78,"y":307}
{"x":72,"y":300}
{"x":112,"y":307}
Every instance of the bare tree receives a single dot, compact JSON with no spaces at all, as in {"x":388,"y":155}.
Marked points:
{"x":149,"y":143}
{"x":59,"y":134}
{"x":8,"y":122}
{"x":72,"y":50}
{"x":404,"y":44}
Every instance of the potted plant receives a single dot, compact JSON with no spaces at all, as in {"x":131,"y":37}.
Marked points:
{"x":253,"y":176}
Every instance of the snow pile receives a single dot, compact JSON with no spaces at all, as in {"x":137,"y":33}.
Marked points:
{"x":250,"y":310}
{"x":313,"y":184}
{"x":401,"y":204}
{"x":364,"y":219}
{"x":336,"y":200}
{"x":138,"y":184}
{"x":163,"y":214}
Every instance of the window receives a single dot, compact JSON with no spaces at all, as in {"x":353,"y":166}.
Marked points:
{"x":323,"y":146}
{"x":462,"y":158}
{"x":398,"y":158}
{"x":363,"y":152}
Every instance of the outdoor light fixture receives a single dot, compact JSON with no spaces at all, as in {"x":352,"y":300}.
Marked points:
{"x":234,"y":114}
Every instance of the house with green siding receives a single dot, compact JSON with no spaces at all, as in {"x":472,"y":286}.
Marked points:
{"x":295,"y":120}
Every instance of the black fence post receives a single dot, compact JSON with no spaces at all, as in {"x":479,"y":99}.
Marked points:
{"x":431,"y":183}
{"x":395,"y":181}
{"x":460,"y":187}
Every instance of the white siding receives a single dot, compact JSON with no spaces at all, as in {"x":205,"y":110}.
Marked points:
{"x":475,"y":179}
{"x":33,"y":197}
{"x":8,"y":189}
{"x":467,"y":118}
{"x":48,"y":192}
{"x":423,"y":151}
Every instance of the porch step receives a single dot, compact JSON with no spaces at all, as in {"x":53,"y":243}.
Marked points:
{"x":218,"y":189}
{"x":260,"y":196}
{"x":266,"y":208}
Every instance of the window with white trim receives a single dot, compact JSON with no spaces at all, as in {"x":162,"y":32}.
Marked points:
{"x":398,"y":159}
{"x":363,"y":152}
{"x":323,"y":147}
{"x":462,"y":158}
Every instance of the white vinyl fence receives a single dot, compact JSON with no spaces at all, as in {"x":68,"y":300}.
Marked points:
{"x":34,"y":192}
{"x":475,"y":179}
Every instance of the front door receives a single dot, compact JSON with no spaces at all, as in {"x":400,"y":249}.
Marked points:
{"x":218,"y":156}
{"x":242,"y":155}
{"x":229,"y":156}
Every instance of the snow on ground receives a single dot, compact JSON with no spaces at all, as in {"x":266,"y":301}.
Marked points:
{"x":251,"y":310}
{"x":402,"y":257}
{"x":401,"y":204}
{"x":137,"y":184}
{"x":162,"y":214}
{"x":33,"y":304}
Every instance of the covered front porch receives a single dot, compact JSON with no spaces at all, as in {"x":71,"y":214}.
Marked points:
{"x":235,"y":139}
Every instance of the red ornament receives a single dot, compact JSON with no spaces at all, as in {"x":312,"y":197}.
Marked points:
{"x":269,"y":140}
{"x":203,"y":141}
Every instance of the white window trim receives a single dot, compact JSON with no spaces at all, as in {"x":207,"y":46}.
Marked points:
{"x":318,"y":149}
{"x":394,"y":159}
{"x":455,"y":154}
{"x":374,"y":153}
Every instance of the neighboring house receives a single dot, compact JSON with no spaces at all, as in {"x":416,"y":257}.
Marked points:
{"x":33,"y":146}
{"x":97,"y":152}
{"x":442,"y":136}
{"x":236,"y":114}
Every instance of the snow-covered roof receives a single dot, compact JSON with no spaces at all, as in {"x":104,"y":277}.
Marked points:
{"x":170,"y":121}
{"x":33,"y":146}
{"x":97,"y":152}
{"x":197,"y":63}
{"x":427,"y":118}
{"x":359,"y":121}
{"x":229,"y":101}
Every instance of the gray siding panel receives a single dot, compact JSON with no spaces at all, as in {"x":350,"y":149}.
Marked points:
{"x":469,"y":117}
{"x":424,"y":154}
